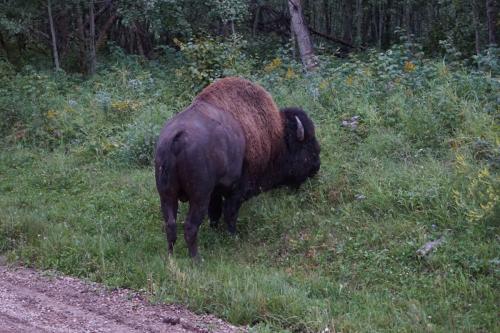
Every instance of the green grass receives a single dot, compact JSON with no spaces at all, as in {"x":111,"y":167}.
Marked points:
{"x":303,"y":260}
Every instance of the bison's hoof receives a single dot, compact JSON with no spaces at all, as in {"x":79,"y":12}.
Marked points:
{"x":197,"y":259}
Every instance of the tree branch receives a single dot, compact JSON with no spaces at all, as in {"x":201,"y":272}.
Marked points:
{"x":331,"y":38}
{"x":104,"y":31}
{"x":429,"y":247}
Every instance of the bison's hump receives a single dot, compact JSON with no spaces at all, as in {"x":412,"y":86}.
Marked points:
{"x":254,"y":108}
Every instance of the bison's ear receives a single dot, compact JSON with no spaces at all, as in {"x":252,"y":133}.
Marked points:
{"x":300,"y":129}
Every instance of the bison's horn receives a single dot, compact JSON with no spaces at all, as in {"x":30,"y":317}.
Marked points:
{"x":300,"y":129}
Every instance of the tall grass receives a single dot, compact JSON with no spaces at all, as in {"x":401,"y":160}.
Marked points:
{"x":339,"y":253}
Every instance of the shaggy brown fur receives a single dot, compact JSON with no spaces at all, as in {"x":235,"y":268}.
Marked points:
{"x":254,"y":108}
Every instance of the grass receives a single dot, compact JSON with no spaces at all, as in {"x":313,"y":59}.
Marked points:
{"x":338,"y":253}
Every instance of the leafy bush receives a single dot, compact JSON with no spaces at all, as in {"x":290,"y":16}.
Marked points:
{"x":209,"y":59}
{"x":477,"y":191}
{"x":488,"y":60}
{"x":35,"y":110}
{"x":137,"y":142}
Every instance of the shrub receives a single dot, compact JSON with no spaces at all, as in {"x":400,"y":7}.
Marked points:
{"x":209,"y":59}
{"x":137,"y":142}
{"x":477,"y":190}
{"x":35,"y":109}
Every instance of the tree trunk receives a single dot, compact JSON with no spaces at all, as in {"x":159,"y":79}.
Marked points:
{"x":62,"y":26}
{"x":53,"y":36}
{"x":293,"y":41}
{"x":374,"y":26}
{"x":233,"y":30}
{"x":104,"y":31}
{"x":256,"y":21}
{"x":406,"y":16}
{"x":388,"y":28}
{"x":328,"y":17}
{"x":92,"y":52}
{"x":477,"y":28}
{"x":359,"y":22}
{"x":380,"y":25}
{"x":491,"y":13}
{"x":303,"y":38}
{"x":140,"y":46}
{"x":347,"y":23}
{"x":81,"y":36}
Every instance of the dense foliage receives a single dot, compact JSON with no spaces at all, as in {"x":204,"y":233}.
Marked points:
{"x":409,"y":129}
{"x":84,"y":29}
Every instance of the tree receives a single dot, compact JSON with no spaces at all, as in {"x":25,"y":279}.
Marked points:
{"x":230,"y":11}
{"x":92,"y":52}
{"x":53,"y":37}
{"x":302,"y":33}
{"x":491,"y":13}
{"x":477,"y":27}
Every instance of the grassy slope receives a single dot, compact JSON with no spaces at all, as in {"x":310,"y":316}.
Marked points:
{"x":303,"y":260}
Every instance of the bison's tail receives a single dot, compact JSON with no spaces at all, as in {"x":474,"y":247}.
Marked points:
{"x":167,"y":166}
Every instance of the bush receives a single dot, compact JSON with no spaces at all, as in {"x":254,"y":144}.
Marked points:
{"x":477,"y":190}
{"x":35,"y":109}
{"x":210,"y":59}
{"x":137,"y":142}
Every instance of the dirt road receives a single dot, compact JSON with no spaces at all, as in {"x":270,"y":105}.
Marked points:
{"x":35,"y":302}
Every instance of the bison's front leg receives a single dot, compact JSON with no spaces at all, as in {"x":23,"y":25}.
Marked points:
{"x":194,"y":219}
{"x":169,"y":209}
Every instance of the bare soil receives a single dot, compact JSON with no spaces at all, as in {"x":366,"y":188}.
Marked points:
{"x":34,"y":302}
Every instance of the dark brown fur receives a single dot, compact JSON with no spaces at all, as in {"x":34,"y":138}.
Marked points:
{"x":255,"y":110}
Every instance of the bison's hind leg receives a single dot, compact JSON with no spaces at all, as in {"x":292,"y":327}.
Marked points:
{"x":215,"y":208}
{"x":169,"y":207}
{"x":197,"y":211}
{"x":232,"y":205}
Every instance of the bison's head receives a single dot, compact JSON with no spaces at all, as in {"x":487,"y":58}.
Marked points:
{"x":302,"y":155}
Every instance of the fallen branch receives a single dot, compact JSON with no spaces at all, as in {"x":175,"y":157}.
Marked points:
{"x":429,"y":247}
{"x":331,"y":38}
{"x":104,"y":31}
{"x":282,"y":18}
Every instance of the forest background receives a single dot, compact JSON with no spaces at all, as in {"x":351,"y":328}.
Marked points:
{"x":405,"y":98}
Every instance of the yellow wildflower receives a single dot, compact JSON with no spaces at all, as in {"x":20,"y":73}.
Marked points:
{"x":177,"y":42}
{"x":350,"y":80}
{"x":460,"y":159}
{"x":443,"y":71}
{"x":290,"y":74}
{"x":122,"y":106}
{"x":323,"y":84}
{"x":409,"y":67}
{"x":51,"y":114}
{"x":484,"y":173}
{"x":273,"y":65}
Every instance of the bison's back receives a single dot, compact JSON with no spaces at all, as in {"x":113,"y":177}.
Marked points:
{"x":258,"y":115}
{"x":196,"y":147}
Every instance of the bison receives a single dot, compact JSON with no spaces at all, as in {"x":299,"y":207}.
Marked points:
{"x":230,"y":144}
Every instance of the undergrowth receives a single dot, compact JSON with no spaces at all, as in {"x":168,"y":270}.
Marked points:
{"x":419,"y":162}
